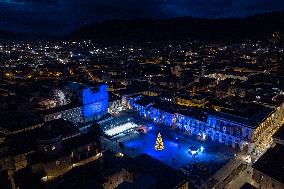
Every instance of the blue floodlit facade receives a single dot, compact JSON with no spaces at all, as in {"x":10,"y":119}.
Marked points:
{"x":95,"y":102}
{"x":232,"y":129}
{"x":223,"y":131}
{"x":161,"y":117}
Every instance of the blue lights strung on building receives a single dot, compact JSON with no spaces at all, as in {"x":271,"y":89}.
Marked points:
{"x":191,"y":120}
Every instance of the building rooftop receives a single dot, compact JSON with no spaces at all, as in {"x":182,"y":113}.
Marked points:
{"x":141,"y":182}
{"x":192,"y":97}
{"x":80,"y":140}
{"x":33,"y":181}
{"x":279,"y":134}
{"x":271,"y":163}
{"x":56,"y":128}
{"x":15,"y":120}
{"x":95,"y":171}
{"x":112,"y":97}
{"x":147,"y":172}
{"x":166,"y":176}
{"x":59,"y":108}
{"x":4,"y":179}
{"x":145,"y":100}
{"x":76,"y":85}
{"x":193,"y":112}
{"x":67,"y":146}
{"x":26,"y":141}
{"x":247,"y":114}
{"x":247,"y":186}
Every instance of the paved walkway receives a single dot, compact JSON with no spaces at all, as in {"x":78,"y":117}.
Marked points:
{"x":241,"y":178}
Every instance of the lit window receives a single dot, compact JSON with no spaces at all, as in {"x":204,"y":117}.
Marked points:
{"x":89,"y":148}
{"x":57,"y":163}
{"x":72,"y":154}
{"x":53,"y":147}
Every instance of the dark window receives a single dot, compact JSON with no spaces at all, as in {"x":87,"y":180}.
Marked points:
{"x":273,"y":186}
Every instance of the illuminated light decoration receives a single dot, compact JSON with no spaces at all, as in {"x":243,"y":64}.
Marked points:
{"x":58,"y":116}
{"x":98,"y":155}
{"x":193,"y":150}
{"x":94,"y":102}
{"x":159,"y":143}
{"x":203,"y":136}
{"x":91,"y":110}
{"x":120,"y":129}
{"x":187,"y":127}
{"x":60,"y":97}
{"x":119,"y":154}
{"x":208,"y":126}
{"x":44,"y":179}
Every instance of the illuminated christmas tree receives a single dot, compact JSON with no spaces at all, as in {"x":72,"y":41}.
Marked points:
{"x":159,"y":143}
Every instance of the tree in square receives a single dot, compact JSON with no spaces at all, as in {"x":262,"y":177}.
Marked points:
{"x":159,"y":143}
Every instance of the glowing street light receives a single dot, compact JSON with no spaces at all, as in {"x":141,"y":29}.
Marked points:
{"x":203,"y":136}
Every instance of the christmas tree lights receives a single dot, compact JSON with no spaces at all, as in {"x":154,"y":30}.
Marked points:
{"x":159,"y":143}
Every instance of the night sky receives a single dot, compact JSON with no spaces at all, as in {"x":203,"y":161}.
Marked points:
{"x":61,"y":16}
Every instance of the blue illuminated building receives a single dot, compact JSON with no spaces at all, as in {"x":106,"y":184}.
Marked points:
{"x":160,"y":116}
{"x":94,"y":100}
{"x":233,"y":129}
